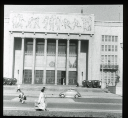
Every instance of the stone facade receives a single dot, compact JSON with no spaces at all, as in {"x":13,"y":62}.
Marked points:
{"x":87,"y":63}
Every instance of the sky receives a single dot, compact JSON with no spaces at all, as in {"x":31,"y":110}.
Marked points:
{"x":101,"y":12}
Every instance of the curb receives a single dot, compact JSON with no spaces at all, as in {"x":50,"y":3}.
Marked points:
{"x":57,"y":96}
{"x":67,"y":110}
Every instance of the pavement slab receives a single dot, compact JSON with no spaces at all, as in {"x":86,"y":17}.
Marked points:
{"x":49,"y":100}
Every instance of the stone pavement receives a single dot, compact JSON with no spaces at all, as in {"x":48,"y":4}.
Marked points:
{"x":53,"y":91}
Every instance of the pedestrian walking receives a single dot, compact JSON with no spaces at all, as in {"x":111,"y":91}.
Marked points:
{"x":22,"y":97}
{"x":42,"y":103}
{"x":18,"y":88}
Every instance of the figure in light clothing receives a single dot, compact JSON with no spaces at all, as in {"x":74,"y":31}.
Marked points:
{"x":18,"y":88}
{"x":42,"y":103}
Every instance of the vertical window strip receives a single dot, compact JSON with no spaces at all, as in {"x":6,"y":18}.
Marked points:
{"x":112,"y":48}
{"x":116,"y":38}
{"x":105,"y":59}
{"x":108,"y":47}
{"x":109,"y":59}
{"x":105,"y":47}
{"x":112,"y":59}
{"x":109,"y":38}
{"x":115,"y":48}
{"x":102,"y":59}
{"x":112,"y":38}
{"x":105,"y":38}
{"x":102,"y":48}
{"x":115,"y":59}
{"x":102,"y":38}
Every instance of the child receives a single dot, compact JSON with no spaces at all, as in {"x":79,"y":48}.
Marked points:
{"x":22,"y":97}
{"x":18,"y":88}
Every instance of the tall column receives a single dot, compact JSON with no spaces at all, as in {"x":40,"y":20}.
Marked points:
{"x":11,"y":61}
{"x":67,"y":63}
{"x":21,"y":80}
{"x":90,"y":60}
{"x":33,"y":63}
{"x":78,"y":63}
{"x":45,"y":61}
{"x":56,"y":62}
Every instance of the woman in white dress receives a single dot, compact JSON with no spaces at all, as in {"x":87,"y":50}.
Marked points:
{"x":42,"y":104}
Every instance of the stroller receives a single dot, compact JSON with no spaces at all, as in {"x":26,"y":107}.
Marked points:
{"x":40,"y":106}
{"x":22,"y":97}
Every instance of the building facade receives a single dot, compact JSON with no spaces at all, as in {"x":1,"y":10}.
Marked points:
{"x":61,"y":49}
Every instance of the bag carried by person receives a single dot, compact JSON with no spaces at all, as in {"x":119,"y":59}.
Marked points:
{"x":25,"y":98}
{"x":20,"y":96}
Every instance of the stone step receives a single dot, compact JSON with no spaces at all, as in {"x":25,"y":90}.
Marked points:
{"x":53,"y":88}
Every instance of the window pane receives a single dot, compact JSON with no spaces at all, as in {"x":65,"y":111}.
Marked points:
{"x":112,"y":59}
{"x":105,"y":59}
{"x":112,"y":38}
{"x":109,"y":59}
{"x":102,"y":47}
{"x":115,"y":48}
{"x":112,"y":47}
{"x":105,"y":47}
{"x":103,"y":38}
{"x":102,"y":58}
{"x":116,"y":38}
{"x":109,"y":47}
{"x":109,"y":38}
{"x":115,"y":59}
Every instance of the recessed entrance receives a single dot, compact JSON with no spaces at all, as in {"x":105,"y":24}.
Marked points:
{"x":61,"y":77}
{"x":27,"y":76}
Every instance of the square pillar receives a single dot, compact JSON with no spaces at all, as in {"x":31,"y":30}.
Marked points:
{"x":33,"y":63}
{"x":67,"y":62}
{"x":45,"y":61}
{"x":78,"y":63}
{"x":90,"y":60}
{"x":11,"y":55}
{"x":56,"y":62}
{"x":21,"y":80}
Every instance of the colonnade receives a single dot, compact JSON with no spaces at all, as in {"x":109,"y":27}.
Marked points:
{"x":21,"y":79}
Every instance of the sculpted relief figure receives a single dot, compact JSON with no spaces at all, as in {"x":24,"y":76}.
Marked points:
{"x":58,"y":23}
{"x":33,"y":22}
{"x":45,"y":22}
{"x":87,"y":24}
{"x":66,"y":23}
{"x":51,"y":23}
{"x":75,"y":24}
{"x":17,"y":21}
{"x":36,"y":22}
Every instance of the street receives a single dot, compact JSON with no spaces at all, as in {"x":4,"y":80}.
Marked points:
{"x":62,"y":104}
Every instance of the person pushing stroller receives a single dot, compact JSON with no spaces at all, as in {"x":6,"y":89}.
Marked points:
{"x":41,"y":104}
{"x":22,"y":97}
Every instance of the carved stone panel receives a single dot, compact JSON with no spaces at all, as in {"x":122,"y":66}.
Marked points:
{"x":61,"y":23}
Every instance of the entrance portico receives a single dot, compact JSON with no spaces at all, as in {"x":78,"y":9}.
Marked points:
{"x":43,"y":55}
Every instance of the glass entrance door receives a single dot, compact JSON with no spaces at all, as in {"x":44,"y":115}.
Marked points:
{"x":38,"y":76}
{"x":61,"y":77}
{"x":27,"y":76}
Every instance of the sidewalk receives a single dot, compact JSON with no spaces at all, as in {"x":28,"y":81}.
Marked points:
{"x":53,"y":91}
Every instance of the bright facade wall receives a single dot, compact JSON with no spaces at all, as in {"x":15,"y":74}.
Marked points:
{"x":6,"y":49}
{"x":100,"y":28}
{"x":105,"y":28}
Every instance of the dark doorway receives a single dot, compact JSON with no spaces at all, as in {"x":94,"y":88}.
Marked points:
{"x":27,"y":76}
{"x":61,"y":77}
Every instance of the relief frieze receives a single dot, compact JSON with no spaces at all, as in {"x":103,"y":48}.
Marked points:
{"x":52,"y":23}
